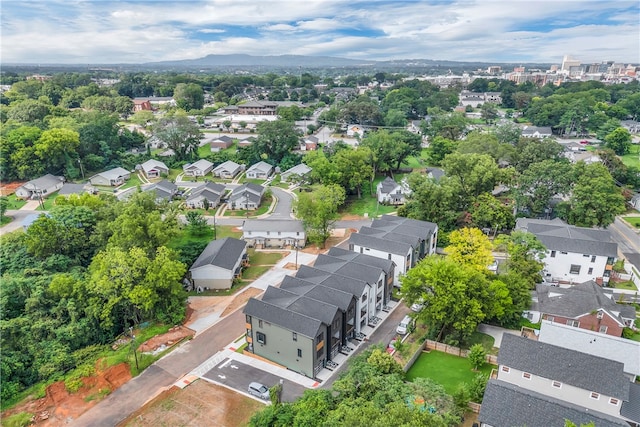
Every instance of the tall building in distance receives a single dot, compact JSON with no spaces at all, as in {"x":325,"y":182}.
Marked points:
{"x":568,"y":62}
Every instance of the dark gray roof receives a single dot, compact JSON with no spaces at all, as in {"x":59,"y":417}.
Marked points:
{"x":223,"y":253}
{"x":350,"y":269}
{"x":249,"y":187}
{"x":436,"y":173}
{"x":631,"y":408}
{"x":340,"y":299}
{"x":163,"y":189}
{"x":378,"y":243}
{"x":261,"y":166}
{"x":287,"y":319}
{"x":229,"y":166}
{"x":507,"y":405}
{"x":353,"y":286}
{"x":210,"y":190}
{"x":114,"y":173}
{"x":571,"y":367}
{"x":394,"y":236}
{"x":388,"y":185}
{"x":568,"y":238}
{"x":416,"y":223}
{"x":272,"y":225}
{"x":302,"y":304}
{"x":385,"y":264}
{"x":577,"y":301}
{"x":407,"y":229}
{"x":68,"y":188}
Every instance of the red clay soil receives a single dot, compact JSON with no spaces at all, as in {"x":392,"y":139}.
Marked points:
{"x":59,"y":407}
{"x":171,"y":337}
{"x":6,"y":189}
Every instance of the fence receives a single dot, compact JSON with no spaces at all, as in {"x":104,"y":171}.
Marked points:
{"x":634,"y":275}
{"x":445,"y":348}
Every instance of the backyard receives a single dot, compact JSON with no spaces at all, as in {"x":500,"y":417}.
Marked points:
{"x":632,"y":158}
{"x":448,"y":370}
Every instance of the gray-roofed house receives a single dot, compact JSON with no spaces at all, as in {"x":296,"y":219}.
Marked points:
{"x":389,"y":192}
{"x":221,"y":143}
{"x":165,"y":190}
{"x":154,"y":168}
{"x":274,"y":233}
{"x":218,"y":264}
{"x":260,"y":170}
{"x":200,"y":168}
{"x":301,"y":170}
{"x":227,"y":170}
{"x":112,"y":177}
{"x":386,"y":265}
{"x":574,"y":254}
{"x":545,"y":384}
{"x":69,"y":188}
{"x":536,"y":132}
{"x":40,"y":187}
{"x":583,"y":306}
{"x":247,"y":197}
{"x":211,"y":192}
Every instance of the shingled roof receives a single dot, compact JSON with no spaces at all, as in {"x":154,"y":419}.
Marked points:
{"x":506,"y":404}
{"x":223,"y":253}
{"x":581,"y":370}
{"x":340,"y":299}
{"x":285,"y":318}
{"x":350,"y":269}
{"x":379,"y":243}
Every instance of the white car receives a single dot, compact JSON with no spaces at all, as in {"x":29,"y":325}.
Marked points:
{"x":405,"y":325}
{"x":259,"y":390}
{"x":417,"y":307}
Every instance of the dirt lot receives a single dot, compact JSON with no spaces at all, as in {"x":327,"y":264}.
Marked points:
{"x":9,"y":188}
{"x":240,"y":299}
{"x":199,"y":404}
{"x":171,"y":337}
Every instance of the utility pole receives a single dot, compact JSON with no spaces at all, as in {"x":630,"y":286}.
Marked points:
{"x":215,"y":234}
{"x":81,"y":169}
{"x":133,"y":346}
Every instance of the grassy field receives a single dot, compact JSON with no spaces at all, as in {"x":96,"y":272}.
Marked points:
{"x":445,"y":369}
{"x":633,"y":157}
{"x":134,"y":181}
{"x":487,"y":342}
{"x":14,"y":203}
{"x":47,"y":203}
{"x":633,"y":220}
{"x":368,"y":203}
{"x":264,"y":258}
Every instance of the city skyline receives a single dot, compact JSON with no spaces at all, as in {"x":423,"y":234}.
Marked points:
{"x":489,"y":31}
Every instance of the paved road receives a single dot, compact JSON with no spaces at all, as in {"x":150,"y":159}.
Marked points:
{"x":283,"y":207}
{"x":18,"y":216}
{"x":133,"y":395}
{"x":238,"y":376}
{"x":628,"y":241}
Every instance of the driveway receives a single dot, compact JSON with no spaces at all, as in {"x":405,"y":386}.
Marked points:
{"x":282,"y":209}
{"x":496,"y":332}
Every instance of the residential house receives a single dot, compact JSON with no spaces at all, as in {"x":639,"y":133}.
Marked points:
{"x":389,"y":192}
{"x":245,"y":142}
{"x":165,"y":190}
{"x":633,"y":126}
{"x":635,"y":202}
{"x":301,"y":170}
{"x":536,"y":132}
{"x":69,"y":188}
{"x":355,"y":131}
{"x":594,"y":343}
{"x":386,"y":265}
{"x":574,"y":254}
{"x":246,"y":197}
{"x":272,"y":233}
{"x":154,"y":168}
{"x":309,"y":143}
{"x":219,"y":264}
{"x":434,"y":173}
{"x":260,"y":170}
{"x":211,"y":192}
{"x":254,"y":108}
{"x":476,"y":99}
{"x":112,"y":177}
{"x":227,"y":170}
{"x":402,"y":240}
{"x":200,"y":168}
{"x":141,"y":104}
{"x":221,"y":143}
{"x":582,"y":306}
{"x":40,"y":187}
{"x":158,"y":101}
{"x":589,"y":157}
{"x":545,"y":385}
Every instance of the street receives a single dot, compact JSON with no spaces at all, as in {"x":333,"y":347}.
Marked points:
{"x":628,"y":241}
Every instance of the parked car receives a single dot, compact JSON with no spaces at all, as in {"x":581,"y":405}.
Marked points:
{"x":405,"y":325}
{"x":259,"y":390}
{"x":417,"y":306}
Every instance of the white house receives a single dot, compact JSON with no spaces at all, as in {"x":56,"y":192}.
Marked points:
{"x":300,"y":170}
{"x":390,"y":192}
{"x":112,"y":177}
{"x":260,"y":170}
{"x":274,"y":233}
{"x":574,"y":254}
{"x":40,"y":187}
{"x":218,"y":264}
{"x":200,"y":168}
{"x":247,"y":196}
{"x":154,"y":168}
{"x":536,"y":132}
{"x":164,"y":190}
{"x":227,"y":170}
{"x":211,"y":192}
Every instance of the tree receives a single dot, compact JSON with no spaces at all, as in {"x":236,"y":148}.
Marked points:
{"x":453,"y":294}
{"x":4,"y":205}
{"x":476,"y":356}
{"x":507,"y":133}
{"x":227,"y":124}
{"x":29,"y":111}
{"x":357,"y":165}
{"x":540,"y":182}
{"x":56,"y":148}
{"x":488,"y":112}
{"x":142,"y":118}
{"x":447,"y":125}
{"x":472,"y":174}
{"x":524,"y":255}
{"x":275,"y":140}
{"x":189,"y":96}
{"x":619,"y":141}
{"x":439,"y":147}
{"x":471,"y":247}
{"x":318,"y":211}
{"x":197,"y":223}
{"x":486,"y":211}
{"x":180,"y":135}
{"x":595,"y":199}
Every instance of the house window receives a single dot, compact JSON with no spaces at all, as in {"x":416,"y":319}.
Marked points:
{"x":595,"y":395}
{"x":248,"y":318}
{"x":573,"y":323}
{"x":389,"y":256}
{"x":320,"y":338}
{"x":297,"y":233}
{"x":563,"y":253}
{"x":590,"y":271}
{"x":526,"y":375}
{"x":268,"y":232}
{"x":553,"y":254}
{"x":603,"y":329}
{"x":599,"y":315}
{"x":294,"y":336}
{"x":550,"y":318}
{"x":279,"y":233}
{"x":505,"y":369}
{"x":575,"y":269}
{"x":260,"y":323}
{"x":614,"y":401}
{"x":585,"y":255}
{"x":299,"y":352}
{"x":556,"y":384}
{"x":364,"y":298}
{"x":261,"y":338}
{"x":593,"y":258}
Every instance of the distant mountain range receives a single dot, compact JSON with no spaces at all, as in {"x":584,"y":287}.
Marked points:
{"x":242,"y":60}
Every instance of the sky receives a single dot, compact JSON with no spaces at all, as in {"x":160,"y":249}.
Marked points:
{"x":128,"y":31}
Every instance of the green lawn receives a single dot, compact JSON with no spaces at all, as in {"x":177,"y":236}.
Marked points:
{"x":628,"y":285}
{"x":134,"y":181}
{"x":47,"y":203}
{"x":487,"y":342}
{"x":445,"y":369}
{"x":633,"y":220}
{"x":633,"y":157}
{"x":262,"y":209}
{"x":185,"y":238}
{"x":254,"y":181}
{"x":14,"y":203}
{"x":368,"y":203}
{"x":264,"y":258}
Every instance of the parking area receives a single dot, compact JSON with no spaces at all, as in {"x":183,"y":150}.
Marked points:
{"x":238,"y":376}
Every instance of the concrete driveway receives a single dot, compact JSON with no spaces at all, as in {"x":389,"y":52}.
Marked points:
{"x":496,"y":332}
{"x":282,"y":210}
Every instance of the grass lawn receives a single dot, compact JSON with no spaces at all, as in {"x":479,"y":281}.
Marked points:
{"x":5,"y":220}
{"x":14,"y":203}
{"x":628,"y":284}
{"x":254,"y":181}
{"x":633,"y":157}
{"x":47,"y":203}
{"x":255,"y":271}
{"x":262,"y":209}
{"x":264,"y":258}
{"x":487,"y":342}
{"x":445,"y":369}
{"x":185,"y":238}
{"x":633,"y":220}
{"x":134,"y":181}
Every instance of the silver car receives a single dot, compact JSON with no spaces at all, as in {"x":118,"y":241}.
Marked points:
{"x":259,"y":390}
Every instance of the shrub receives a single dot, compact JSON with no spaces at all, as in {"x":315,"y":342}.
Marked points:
{"x":21,"y":419}
{"x":477,"y":355}
{"x":476,"y":387}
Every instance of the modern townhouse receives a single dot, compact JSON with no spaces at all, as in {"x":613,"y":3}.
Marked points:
{"x":273,"y":233}
{"x":386,"y":265}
